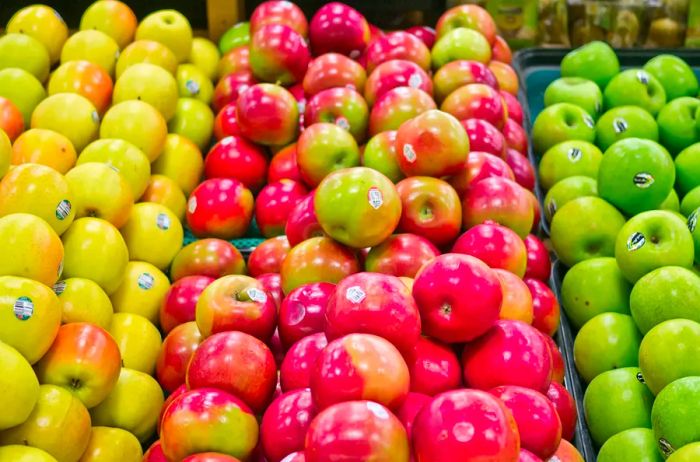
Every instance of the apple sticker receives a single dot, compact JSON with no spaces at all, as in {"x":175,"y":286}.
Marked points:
{"x":23,"y":308}
{"x":643,"y":180}
{"x":355,"y":294}
{"x":256,"y":295}
{"x":620,"y":125}
{"x":636,"y":241}
{"x":59,"y":287}
{"x":63,"y":209}
{"x":375,"y":197}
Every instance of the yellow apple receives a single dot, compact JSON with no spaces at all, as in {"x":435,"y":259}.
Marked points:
{"x":5,"y":153}
{"x":82,"y":300}
{"x":94,"y":46}
{"x":22,"y":453}
{"x":44,"y":24}
{"x":138,"y":339}
{"x":181,"y":161}
{"x":153,"y":234}
{"x":138,"y":123}
{"x":170,"y":28}
{"x":30,"y":248}
{"x":205,"y":55}
{"x":129,"y":160}
{"x":142,"y":291}
{"x":40,"y":191}
{"x":134,"y":405}
{"x":194,"y":120}
{"x":24,"y":52}
{"x":112,"y":17}
{"x":19,"y":385}
{"x":95,"y":250}
{"x":109,"y":444}
{"x":84,"y":78}
{"x":192,"y":82}
{"x":23,"y":89}
{"x":59,"y":424}
{"x":149,"y":83}
{"x":100,"y":191}
{"x":45,"y":147}
{"x":80,"y":124}
{"x":146,"y":51}
{"x":165,"y":191}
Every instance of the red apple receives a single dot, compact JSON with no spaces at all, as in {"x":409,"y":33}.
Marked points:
{"x":220,"y":207}
{"x":536,"y":210}
{"x":180,"y":301}
{"x":210,"y":457}
{"x":495,"y":245}
{"x":300,"y":361}
{"x":501,"y":51}
{"x":268,"y":114}
{"x":332,"y":70}
{"x":539,"y":265}
{"x":237,"y":158}
{"x":470,"y":16}
{"x":456,"y":74}
{"x":342,"y":106}
{"x":476,"y":101}
{"x":545,"y":305}
{"x":517,"y":301}
{"x":302,"y":223}
{"x":506,"y":76}
{"x":566,"y":409}
{"x":338,"y":28}
{"x":425,"y":33}
{"x":274,"y":204}
{"x":401,"y":255}
{"x":522,"y":169}
{"x":303,"y":311}
{"x":527,"y":456}
{"x":510,"y":353}
{"x":324,"y":148}
{"x":154,"y":453}
{"x":278,"y":54}
{"x":230,"y":87}
{"x":279,"y":12}
{"x":397,"y":45}
{"x":374,"y":303}
{"x":557,"y":360}
{"x":207,"y":257}
{"x":434,"y":368}
{"x":175,"y":354}
{"x":285,"y":422}
{"x":267,"y":257}
{"x":294,"y":457}
{"x":284,"y":165}
{"x":396,"y":107}
{"x":484,"y":137}
{"x":500,"y":200}
{"x":480,"y":165}
{"x":410,"y":408}
{"x":459,"y":297}
{"x":513,"y":107}
{"x":463,"y":425}
{"x":11,"y":121}
{"x":225,"y":123}
{"x":272,"y":283}
{"x":515,"y":136}
{"x":234,"y":60}
{"x":393,"y":74}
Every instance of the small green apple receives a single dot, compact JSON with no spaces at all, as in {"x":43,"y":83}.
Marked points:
{"x":169,"y":27}
{"x":651,"y":240}
{"x":625,"y":122}
{"x":594,"y":61}
{"x":461,"y":43}
{"x":671,"y":203}
{"x":236,"y":36}
{"x":380,"y":155}
{"x":635,"y":444}
{"x":635,"y":87}
{"x":677,"y":123}
{"x":205,"y":55}
{"x":23,"y":89}
{"x":576,"y":90}
{"x":585,"y":228}
{"x":94,"y":46}
{"x":24,"y":52}
{"x":695,"y":231}
{"x":690,"y":201}
{"x":561,"y":122}
{"x":194,"y":120}
{"x":677,"y":78}
{"x":192,"y":82}
{"x":20,"y":387}
{"x":567,"y":159}
{"x":674,"y":416}
{"x":688,"y":168}
{"x":688,"y":453}
{"x":567,"y":190}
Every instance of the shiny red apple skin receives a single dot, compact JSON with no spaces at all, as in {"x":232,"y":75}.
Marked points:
{"x":221,"y":208}
{"x":285,"y":422}
{"x":235,"y":60}
{"x":267,"y":257}
{"x":284,"y":165}
{"x":237,"y":363}
{"x":279,"y":12}
{"x":501,"y":51}
{"x":522,"y":169}
{"x":515,"y":136}
{"x":513,"y":107}
{"x":430,"y":208}
{"x":465,"y":425}
{"x":268,"y":114}
{"x":342,"y":106}
{"x":459,"y":297}
{"x":272,"y":283}
{"x":433,"y":143}
{"x":495,"y":245}
{"x":456,"y":74}
{"x":230,"y":87}
{"x":538,"y":423}
{"x":510,"y":353}
{"x":274,"y":204}
{"x":293,"y":457}
{"x":237,"y":158}
{"x":354,"y":431}
{"x":401,"y":255}
{"x":303,"y":312}
{"x":300,"y":361}
{"x":410,"y":408}
{"x":332,"y":70}
{"x":425,"y":33}
{"x":154,"y":453}
{"x":397,"y":45}
{"x":545,"y":307}
{"x":566,"y":409}
{"x":278,"y":54}
{"x":434,"y":368}
{"x":536,"y":211}
{"x":211,"y":257}
{"x":393,"y":74}
{"x":484,"y":137}
{"x":480,"y":165}
{"x":180,"y":301}
{"x":539,"y":265}
{"x":396,"y":107}
{"x":210,"y":457}
{"x":500,"y":200}
{"x":177,"y":392}
{"x":175,"y":354}
{"x":557,"y":360}
{"x":302,"y":222}
{"x":470,"y":16}
{"x":476,"y":101}
{"x":225,"y":123}
{"x":338,"y":28}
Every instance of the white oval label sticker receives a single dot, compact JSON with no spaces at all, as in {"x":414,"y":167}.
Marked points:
{"x":23,"y":308}
{"x":355,"y":294}
{"x":256,"y":295}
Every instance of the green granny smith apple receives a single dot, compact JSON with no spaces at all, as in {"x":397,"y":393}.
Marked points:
{"x":677,"y":124}
{"x":674,"y":416}
{"x":635,"y":444}
{"x":561,"y":122}
{"x":651,"y":240}
{"x":593,"y":287}
{"x":671,"y":203}
{"x":594,"y":61}
{"x":688,"y":453}
{"x":636,"y":175}
{"x":585,"y":228}
{"x":608,"y":341}
{"x":24,"y":52}
{"x":616,"y":401}
{"x":625,"y":122}
{"x":677,"y":78}
{"x":237,"y":36}
{"x":567,"y":190}
{"x":576,"y":90}
{"x":690,"y":201}
{"x":688,"y":168}
{"x":635,"y":87}
{"x":567,"y":159}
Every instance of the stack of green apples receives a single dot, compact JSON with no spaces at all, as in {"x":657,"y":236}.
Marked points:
{"x":620,"y":160}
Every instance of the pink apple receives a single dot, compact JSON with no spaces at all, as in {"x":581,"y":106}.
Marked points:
{"x":279,"y":12}
{"x":234,"y":60}
{"x":324,"y":148}
{"x":338,"y":28}
{"x":515,"y":136}
{"x":425,"y":33}
{"x":175,"y":354}
{"x":179,"y":304}
{"x":207,"y":257}
{"x":557,"y":360}
{"x":495,"y":245}
{"x":401,"y":255}
{"x":545,"y":307}
{"x":476,"y":101}
{"x":522,"y":169}
{"x":267,"y":257}
{"x":434,"y":368}
{"x":566,"y":409}
{"x":342,"y":106}
{"x":410,"y":408}
{"x":470,"y":16}
{"x":268,"y":114}
{"x":484,"y":137}
{"x":480,"y":165}
{"x":284,"y":165}
{"x":278,"y":54}
{"x":303,"y":311}
{"x":456,"y":74}
{"x":393,"y":74}
{"x":396,"y":107}
{"x":539,"y":265}
{"x":285,"y":422}
{"x":274,"y":204}
{"x":272,"y":283}
{"x":513,"y":107}
{"x":397,"y":45}
{"x":220,"y":207}
{"x":500,"y":200}
{"x":300,"y":361}
{"x":235,"y":157}
{"x":225,"y":123}
{"x":333,"y":70}
{"x":230,"y":87}
{"x":302,"y":223}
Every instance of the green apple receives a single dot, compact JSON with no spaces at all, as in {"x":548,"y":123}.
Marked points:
{"x":677,"y":78}
{"x":688,"y":453}
{"x":635,"y":444}
{"x":44,"y":24}
{"x":138,"y":339}
{"x":677,"y":123}
{"x":236,"y":36}
{"x":625,"y":122}
{"x":80,"y":125}
{"x":205,"y":55}
{"x":59,"y":424}
{"x":192,"y":82}
{"x":561,"y":122}
{"x":695,"y":231}
{"x":567,"y":190}
{"x":576,"y":90}
{"x":380,"y":155}
{"x":23,"y":89}
{"x":688,"y":168}
{"x":635,"y":87}
{"x":594,"y":61}
{"x":82,"y":300}
{"x":112,"y":445}
{"x":194,"y":120}
{"x":169,"y":27}
{"x":674,"y":416}
{"x":133,"y":405}
{"x":19,"y":385}
{"x":122,"y":156}
{"x":460,"y":43}
{"x":141,"y":292}
{"x":616,"y":401}
{"x":690,"y":201}
{"x":153,"y":234}
{"x":636,"y":175}
{"x":139,"y":123}
{"x":24,"y":52}
{"x":149,"y":83}
{"x":94,"y":46}
{"x":671,"y":203}
{"x":585,"y":228}
{"x":567,"y":159}
{"x":22,"y":453}
{"x":593,"y":287}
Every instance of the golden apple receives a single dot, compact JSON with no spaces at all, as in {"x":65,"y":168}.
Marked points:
{"x":44,"y":24}
{"x":82,"y":300}
{"x":100,"y":191}
{"x":153,"y":234}
{"x":165,"y":191}
{"x":24,"y":52}
{"x":45,"y":147}
{"x":138,"y":339}
{"x":126,"y":158}
{"x":109,"y":444}
{"x":180,"y":161}
{"x":142,"y":291}
{"x":205,"y":55}
{"x":146,"y":51}
{"x":22,"y":453}
{"x":84,"y":78}
{"x":194,"y":120}
{"x":138,"y":123}
{"x":19,"y":385}
{"x":80,"y":124}
{"x":149,"y":83}
{"x":169,"y":27}
{"x":5,"y":153}
{"x":94,"y":46}
{"x":112,"y":17}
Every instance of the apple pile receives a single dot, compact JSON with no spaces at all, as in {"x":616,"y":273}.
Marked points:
{"x":618,"y":150}
{"x":399,"y":308}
